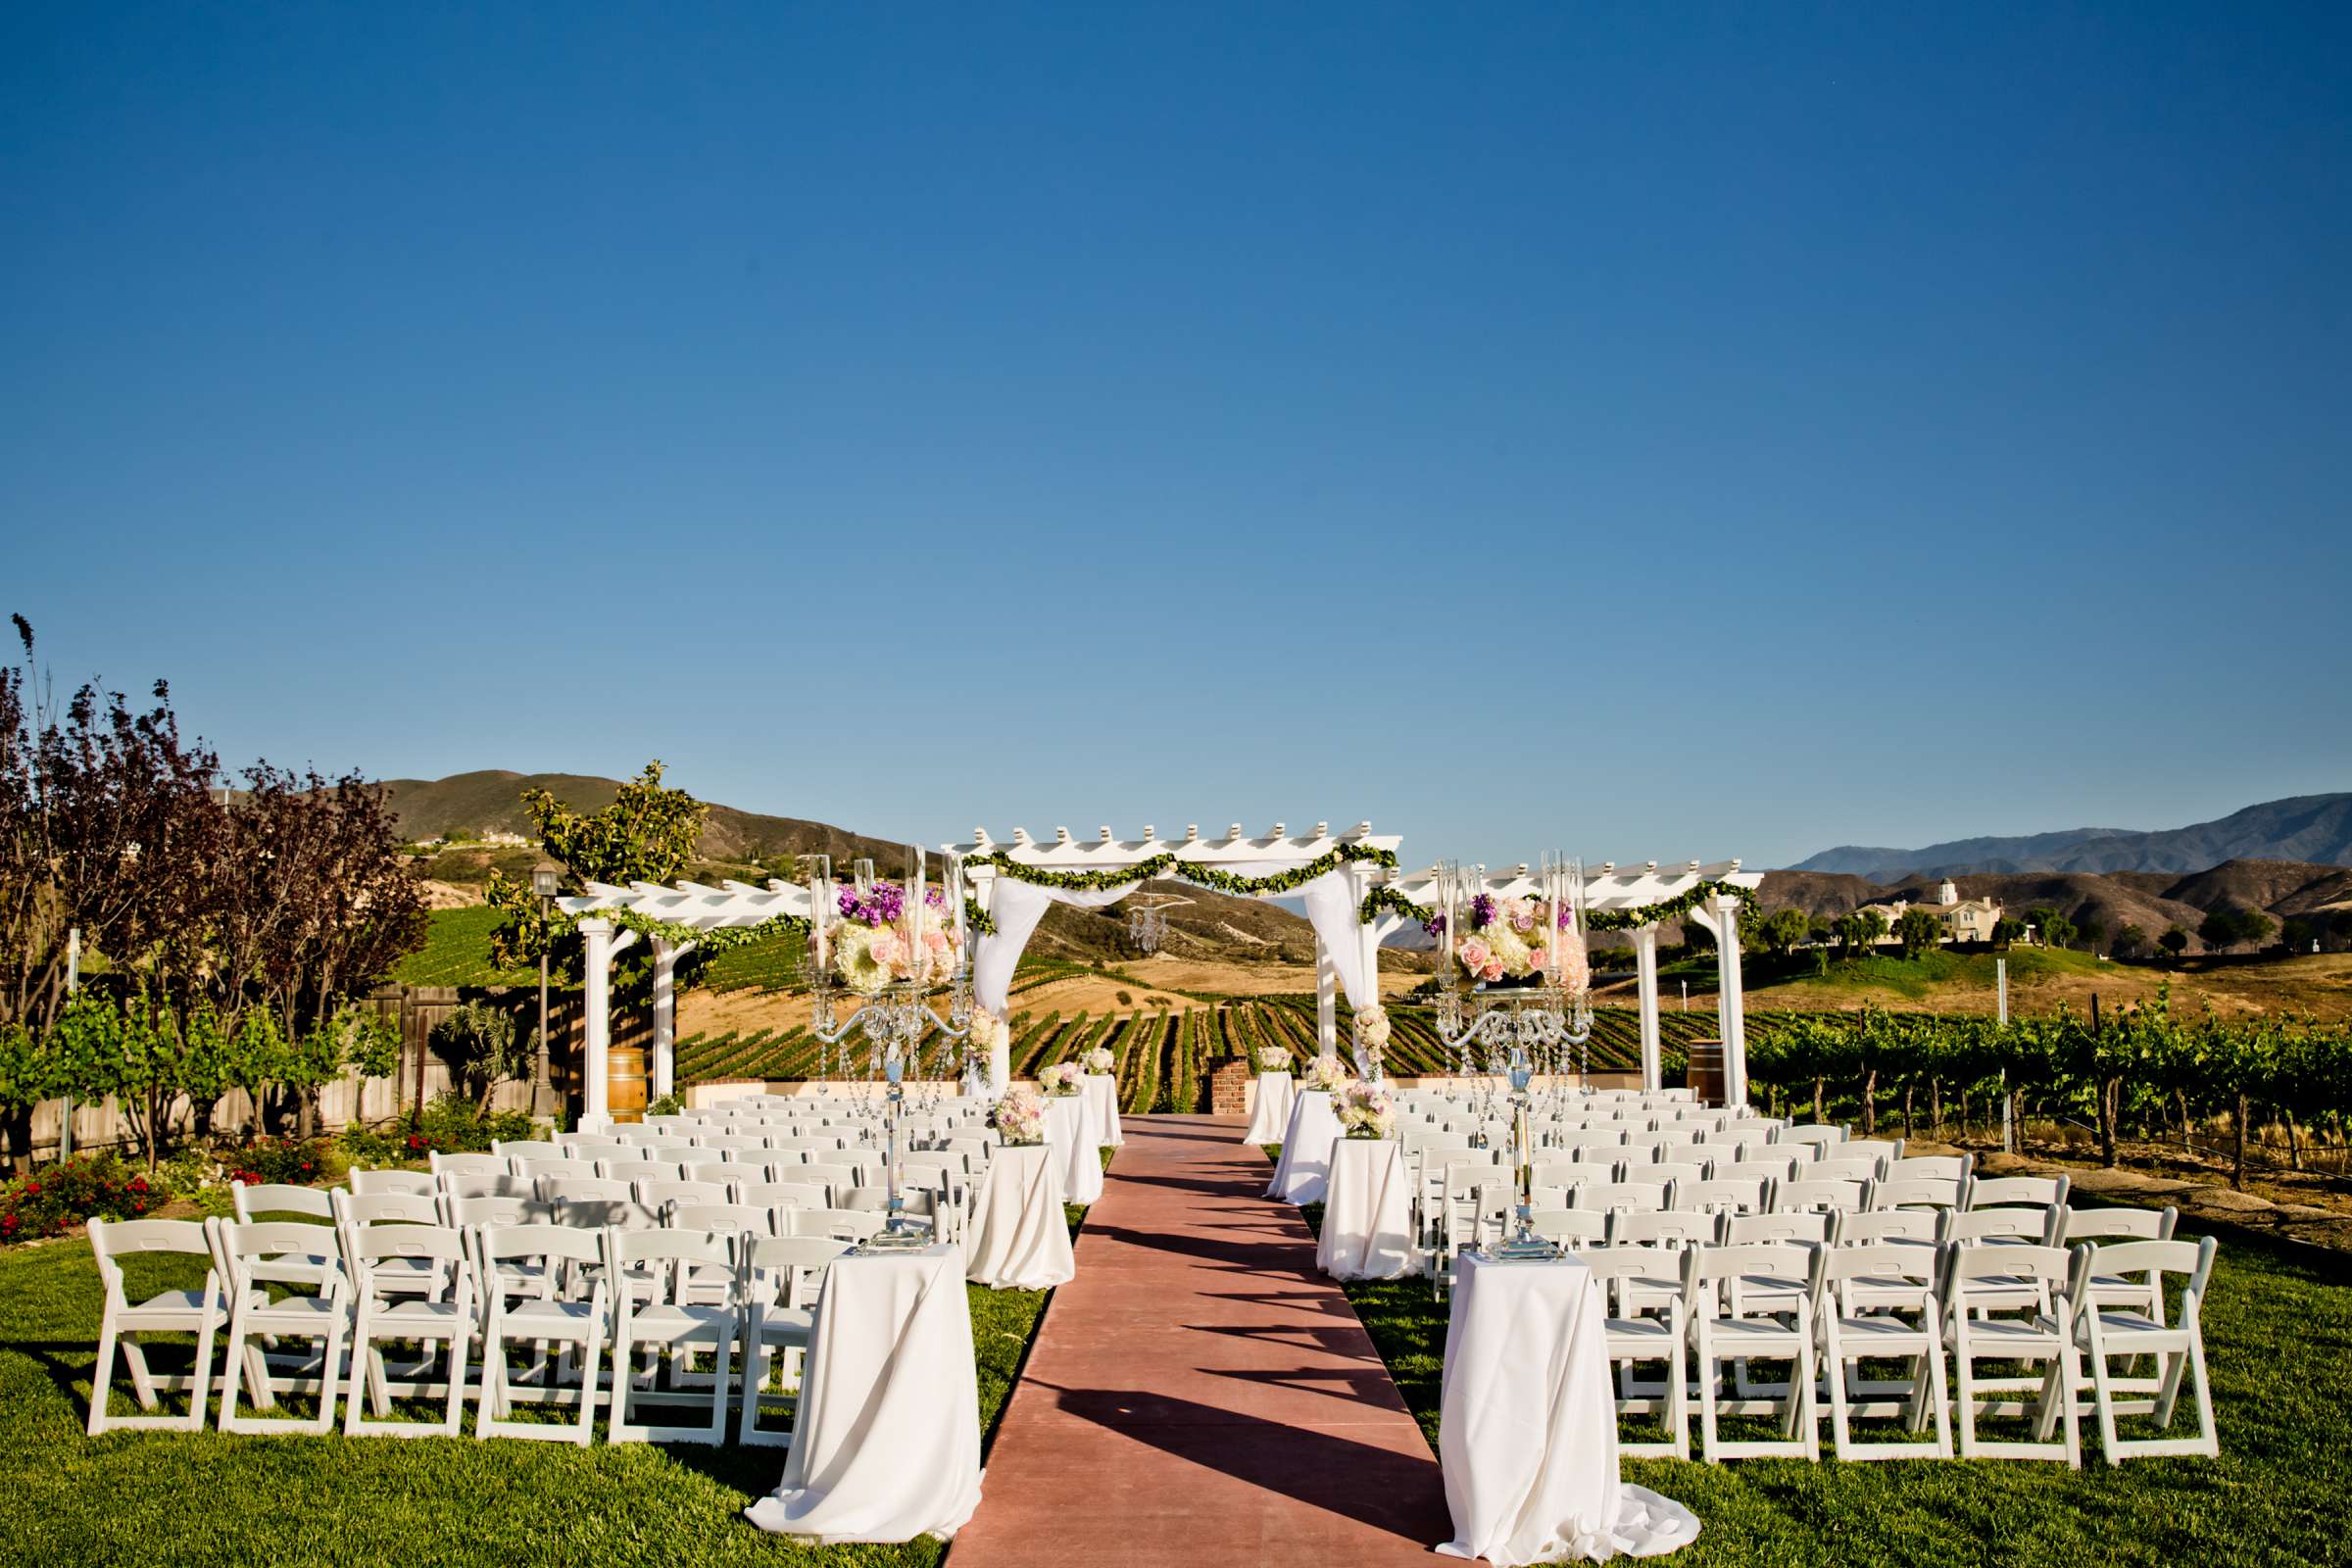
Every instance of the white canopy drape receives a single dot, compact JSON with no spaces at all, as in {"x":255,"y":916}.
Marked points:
{"x":1015,"y":908}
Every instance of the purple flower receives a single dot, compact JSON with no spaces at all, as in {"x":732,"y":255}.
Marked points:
{"x":1567,"y":916}
{"x":1435,"y":925}
{"x":1481,"y":912}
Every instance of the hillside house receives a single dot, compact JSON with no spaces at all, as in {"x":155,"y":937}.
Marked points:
{"x":1964,"y":919}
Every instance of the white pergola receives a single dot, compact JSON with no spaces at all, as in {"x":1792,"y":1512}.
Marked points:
{"x":1275,"y":850}
{"x":1609,"y":890}
{"x":685,"y":903}
{"x":737,"y":905}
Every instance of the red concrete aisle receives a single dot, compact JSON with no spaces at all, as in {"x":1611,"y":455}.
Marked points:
{"x":1199,"y":1394}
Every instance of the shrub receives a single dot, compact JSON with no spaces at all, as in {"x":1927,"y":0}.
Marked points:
{"x":284,"y":1162}
{"x":450,"y":1125}
{"x":54,"y":1198}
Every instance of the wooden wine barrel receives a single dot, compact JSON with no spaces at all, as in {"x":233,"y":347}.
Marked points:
{"x":624,"y":1082}
{"x":1705,"y":1073}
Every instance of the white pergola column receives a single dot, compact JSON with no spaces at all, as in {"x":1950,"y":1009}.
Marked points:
{"x":596,"y":1007}
{"x":666,"y":1015}
{"x":1730,"y":1005}
{"x":1645,"y":968}
{"x":1327,"y":1001}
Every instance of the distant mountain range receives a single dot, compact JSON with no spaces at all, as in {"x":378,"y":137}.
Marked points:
{"x":2312,"y":829}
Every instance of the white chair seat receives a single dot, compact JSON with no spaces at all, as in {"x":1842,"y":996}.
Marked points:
{"x":1753,"y":1331}
{"x":671,"y":1323}
{"x":523,"y":1318}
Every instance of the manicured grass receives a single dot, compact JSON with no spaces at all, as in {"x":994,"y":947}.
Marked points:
{"x":2279,"y":1337}
{"x":202,"y":1497}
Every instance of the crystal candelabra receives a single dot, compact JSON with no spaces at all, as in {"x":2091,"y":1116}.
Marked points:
{"x":896,"y":1017}
{"x":1518,"y":1028}
{"x":1147,"y":923}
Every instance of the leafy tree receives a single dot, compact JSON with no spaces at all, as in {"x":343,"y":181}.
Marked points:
{"x":2041,"y":918}
{"x":1919,"y":931}
{"x":2007,"y":930}
{"x":2130,"y":942}
{"x":648,"y":834}
{"x":1822,"y":928}
{"x":483,"y":1047}
{"x":2232,"y":928}
{"x":2297,"y":933}
{"x":2174,"y":941}
{"x":2057,"y":932}
{"x":1782,"y":929}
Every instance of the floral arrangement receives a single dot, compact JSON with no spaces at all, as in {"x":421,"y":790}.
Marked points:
{"x":1273,"y":1058}
{"x":1509,"y":939}
{"x":1372,"y":1027}
{"x":988,"y":1033}
{"x":1324,"y":1073}
{"x":1019,"y":1117}
{"x":869,"y":943}
{"x":1060,"y":1079}
{"x":1099,"y":1060}
{"x":1365,"y":1111}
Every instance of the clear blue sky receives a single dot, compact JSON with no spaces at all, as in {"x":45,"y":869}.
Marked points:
{"x":1651,"y":431}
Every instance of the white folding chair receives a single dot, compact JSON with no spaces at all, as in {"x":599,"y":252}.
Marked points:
{"x":575,"y":1318}
{"x":378,"y":1183}
{"x":1610,"y":1196}
{"x":678,"y":1324}
{"x":526,"y":1148}
{"x":441,"y":1164}
{"x":168,"y":1311}
{"x":1631,"y":1336}
{"x":2179,"y":1347}
{"x":1731,"y":1324}
{"x":309,"y":1268}
{"x":1975,"y":1330}
{"x":1573,"y":1228}
{"x":1860,"y":1296}
{"x":464,"y":1184}
{"x":254,"y":1318}
{"x":2140,"y":1294}
{"x":1933,"y":1168}
{"x":841,"y":1224}
{"x":446,"y":1317}
{"x":1717,"y":1197}
{"x":1819,"y":1196}
{"x":782,"y":1278}
{"x":2016,"y":1192}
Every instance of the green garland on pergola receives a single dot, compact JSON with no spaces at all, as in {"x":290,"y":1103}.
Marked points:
{"x":1198,"y":875}
{"x":1673,"y":909}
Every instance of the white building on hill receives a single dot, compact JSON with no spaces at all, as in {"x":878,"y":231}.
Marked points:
{"x":1964,"y":919}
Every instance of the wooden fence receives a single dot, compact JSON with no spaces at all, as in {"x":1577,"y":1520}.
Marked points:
{"x":423,"y":1076}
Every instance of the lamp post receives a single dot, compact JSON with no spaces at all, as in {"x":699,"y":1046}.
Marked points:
{"x":546,"y":878}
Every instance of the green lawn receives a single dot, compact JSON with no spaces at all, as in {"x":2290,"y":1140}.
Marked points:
{"x":2278,"y":1339}
{"x":188,"y":1499}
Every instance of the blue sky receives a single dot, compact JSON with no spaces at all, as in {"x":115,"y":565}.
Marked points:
{"x":1654,"y":431}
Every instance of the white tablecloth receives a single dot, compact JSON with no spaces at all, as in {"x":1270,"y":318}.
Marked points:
{"x":1367,"y":1223}
{"x":1104,"y":1091}
{"x":1306,"y":1149}
{"x":1076,"y":1138}
{"x":1528,"y":1425}
{"x":886,"y":1441}
{"x":1019,"y":1239}
{"x":1270,"y":1117}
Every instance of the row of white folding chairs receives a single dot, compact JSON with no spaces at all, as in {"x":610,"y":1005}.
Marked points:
{"x":773,"y":1185}
{"x":1825,"y":1308}
{"x":741,"y":1298}
{"x":1475,"y":1202}
{"x":523,"y":1159}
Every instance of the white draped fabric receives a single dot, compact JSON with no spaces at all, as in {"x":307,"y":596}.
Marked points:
{"x":1306,"y":1149}
{"x":1367,"y":1223}
{"x":886,"y":1443}
{"x":1015,"y":908}
{"x":1076,"y":1138}
{"x":1019,"y":1239}
{"x":1270,"y":1117}
{"x":1528,"y":1425}
{"x":1103,"y":1090}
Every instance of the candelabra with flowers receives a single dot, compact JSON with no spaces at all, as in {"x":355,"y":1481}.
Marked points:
{"x":1528,"y":1001}
{"x":893,"y":948}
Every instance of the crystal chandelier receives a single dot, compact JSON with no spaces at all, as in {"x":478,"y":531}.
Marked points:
{"x":1519,"y":1027}
{"x":896,"y":1017}
{"x":1147,"y":923}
